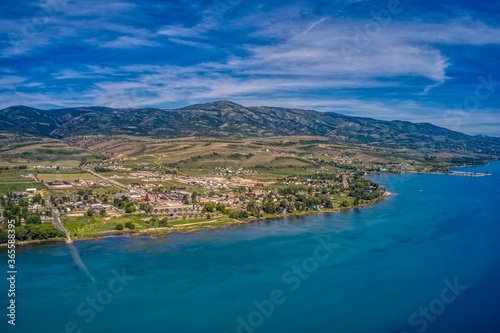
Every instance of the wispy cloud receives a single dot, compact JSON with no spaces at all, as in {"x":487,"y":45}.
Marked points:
{"x":330,"y":56}
{"x":123,"y":42}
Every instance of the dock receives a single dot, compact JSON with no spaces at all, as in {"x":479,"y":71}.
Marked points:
{"x":468,"y":174}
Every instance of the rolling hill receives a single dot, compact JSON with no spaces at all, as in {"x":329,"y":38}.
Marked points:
{"x":228,"y":119}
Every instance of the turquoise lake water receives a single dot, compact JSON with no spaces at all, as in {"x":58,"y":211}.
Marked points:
{"x":427,"y":259}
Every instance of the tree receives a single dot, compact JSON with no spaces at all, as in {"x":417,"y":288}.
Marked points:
{"x":220,"y":207}
{"x":102,"y":212}
{"x":209,"y":207}
{"x":21,"y":233}
{"x":34,"y":219}
{"x":145,"y":207}
{"x":44,"y":231}
{"x":3,"y":236}
{"x":37,"y":198}
{"x":130,"y":225}
{"x":236,"y":214}
{"x":130,"y":209}
{"x":119,"y":226}
{"x":252,"y":207}
{"x":345,"y":203}
{"x":90,"y":212}
{"x":328,"y":203}
{"x":269,"y":208}
{"x":163,"y":223}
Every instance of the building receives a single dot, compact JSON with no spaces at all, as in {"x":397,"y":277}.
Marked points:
{"x":31,"y":191}
{"x":58,"y":184}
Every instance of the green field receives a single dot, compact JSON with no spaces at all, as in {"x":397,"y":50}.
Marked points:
{"x":84,"y":226}
{"x":49,"y":177}
{"x":33,"y":151}
{"x":7,"y":186}
{"x":13,"y":174}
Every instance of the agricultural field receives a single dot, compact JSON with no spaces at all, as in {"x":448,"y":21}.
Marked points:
{"x":7,"y":186}
{"x":269,"y":157}
{"x":50,"y":177}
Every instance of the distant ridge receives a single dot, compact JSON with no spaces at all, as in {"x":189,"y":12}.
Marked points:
{"x":228,"y":119}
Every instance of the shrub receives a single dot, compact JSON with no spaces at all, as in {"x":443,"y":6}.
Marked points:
{"x":119,"y":226}
{"x":130,"y":209}
{"x":130,"y":225}
{"x":163,"y":223}
{"x":237,"y":214}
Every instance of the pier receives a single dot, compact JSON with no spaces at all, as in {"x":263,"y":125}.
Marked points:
{"x":468,"y":174}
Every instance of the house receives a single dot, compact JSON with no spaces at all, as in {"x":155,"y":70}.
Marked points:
{"x":31,"y":191}
{"x":135,"y":195}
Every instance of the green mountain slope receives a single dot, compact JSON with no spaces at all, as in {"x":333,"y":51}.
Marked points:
{"x":227,"y":119}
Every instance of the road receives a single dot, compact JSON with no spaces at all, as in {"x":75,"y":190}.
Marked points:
{"x":58,"y":224}
{"x":56,"y":221}
{"x":344,"y":181}
{"x":114,"y":182}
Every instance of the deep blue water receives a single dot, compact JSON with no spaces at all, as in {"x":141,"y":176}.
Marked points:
{"x":381,"y":266}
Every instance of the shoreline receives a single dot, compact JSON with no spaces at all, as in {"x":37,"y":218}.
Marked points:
{"x":172,"y":230}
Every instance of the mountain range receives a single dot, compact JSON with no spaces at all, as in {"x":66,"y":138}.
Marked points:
{"x":231,"y":120}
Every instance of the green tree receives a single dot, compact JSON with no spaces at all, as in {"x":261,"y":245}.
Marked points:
{"x":130,"y":225}
{"x":21,"y":233}
{"x":209,"y":207}
{"x":269,"y":208}
{"x":119,"y":226}
{"x":345,"y":203}
{"x":102,"y":212}
{"x":90,"y":212}
{"x":130,"y":209}
{"x":145,"y":207}
{"x":3,"y":236}
{"x":163,"y":223}
{"x":44,"y":231}
{"x":220,"y":207}
{"x":34,"y":219}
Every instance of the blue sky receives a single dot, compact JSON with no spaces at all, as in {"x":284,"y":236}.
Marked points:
{"x":422,"y":61}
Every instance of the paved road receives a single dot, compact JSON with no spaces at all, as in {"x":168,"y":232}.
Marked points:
{"x":56,"y":221}
{"x":58,"y":224}
{"x":114,"y":182}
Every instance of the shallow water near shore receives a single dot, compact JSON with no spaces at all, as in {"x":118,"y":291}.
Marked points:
{"x":425,"y":259}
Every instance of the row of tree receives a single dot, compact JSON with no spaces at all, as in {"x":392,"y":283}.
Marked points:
{"x":32,"y":231}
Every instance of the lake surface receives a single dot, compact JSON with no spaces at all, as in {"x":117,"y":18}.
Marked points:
{"x":427,"y":259}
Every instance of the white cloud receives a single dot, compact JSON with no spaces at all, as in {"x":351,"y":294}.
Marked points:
{"x":11,"y":81}
{"x":129,"y":42}
{"x":284,"y":56}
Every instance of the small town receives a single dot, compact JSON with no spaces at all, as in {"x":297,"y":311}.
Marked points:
{"x":150,"y":200}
